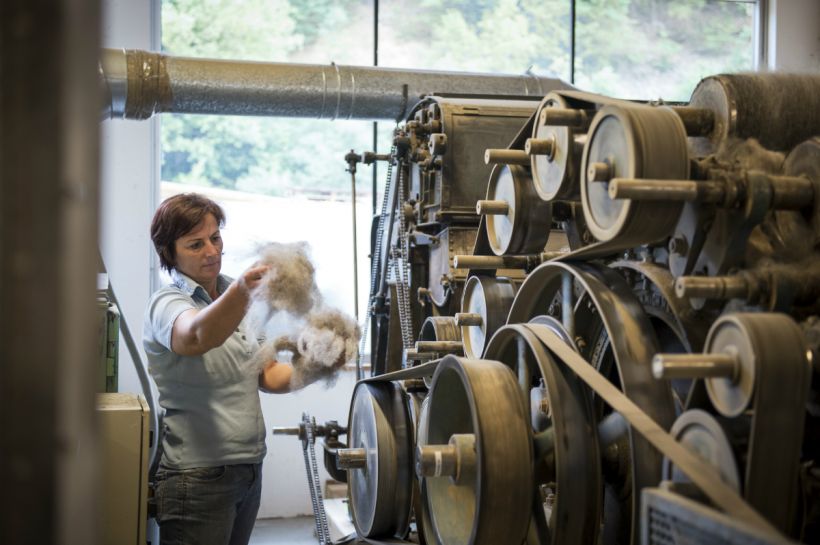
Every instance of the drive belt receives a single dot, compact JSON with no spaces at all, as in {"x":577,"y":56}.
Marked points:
{"x":780,"y":366}
{"x":419,"y":371}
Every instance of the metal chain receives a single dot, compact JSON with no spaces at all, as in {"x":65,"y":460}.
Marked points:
{"x":375,"y":260}
{"x":403,"y":270}
{"x":312,"y":468}
{"x":401,"y":295}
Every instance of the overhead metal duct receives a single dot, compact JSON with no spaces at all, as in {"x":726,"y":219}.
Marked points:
{"x":138,"y":84}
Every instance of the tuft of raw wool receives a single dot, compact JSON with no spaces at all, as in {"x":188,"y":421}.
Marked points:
{"x":287,"y":310}
{"x":326,"y":342}
{"x":750,"y":155}
{"x":290,"y":284}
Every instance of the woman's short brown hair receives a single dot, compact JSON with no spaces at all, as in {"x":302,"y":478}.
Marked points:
{"x":176,"y":217}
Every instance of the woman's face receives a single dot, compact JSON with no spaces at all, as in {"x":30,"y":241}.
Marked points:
{"x":199,"y":252}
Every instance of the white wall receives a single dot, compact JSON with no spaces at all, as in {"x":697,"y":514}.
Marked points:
{"x":129,"y":174}
{"x":793,"y":33}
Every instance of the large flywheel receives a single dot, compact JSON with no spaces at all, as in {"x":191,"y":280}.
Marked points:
{"x":567,"y":486}
{"x":599,"y":311}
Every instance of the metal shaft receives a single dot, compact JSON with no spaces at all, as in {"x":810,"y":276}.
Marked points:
{"x":483,"y":208}
{"x":351,"y":458}
{"x":436,"y":460}
{"x":502,"y":262}
{"x":788,"y":192}
{"x":696,"y":121}
{"x":672,"y":366}
{"x":568,"y":303}
{"x":489,"y":262}
{"x":712,"y":287}
{"x":540,"y":146}
{"x":506,"y":157}
{"x":139,"y":84}
{"x":468,"y":319}
{"x":439,"y":346}
{"x":283,"y":430}
{"x":666,"y":190}
{"x":456,"y":460}
{"x":355,"y":248}
{"x":565,"y":117}
{"x":599,"y":172}
{"x":411,"y":354}
{"x":791,"y":192}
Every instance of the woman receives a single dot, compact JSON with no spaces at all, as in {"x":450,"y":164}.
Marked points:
{"x":209,"y":480}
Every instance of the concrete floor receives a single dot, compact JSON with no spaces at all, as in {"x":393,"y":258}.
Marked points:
{"x":302,"y":530}
{"x":293,"y":531}
{"x":284,"y":531}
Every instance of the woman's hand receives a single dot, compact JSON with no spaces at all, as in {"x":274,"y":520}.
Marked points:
{"x":252,"y":277}
{"x":275,"y":378}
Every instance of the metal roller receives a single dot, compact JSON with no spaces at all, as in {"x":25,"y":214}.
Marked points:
{"x":380,"y":475}
{"x":779,"y":110}
{"x":523,"y":225}
{"x":478,"y":461}
{"x":555,"y":153}
{"x":489,"y":298}
{"x":632,"y":142}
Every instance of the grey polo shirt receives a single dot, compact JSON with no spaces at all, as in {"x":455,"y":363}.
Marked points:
{"x":213,"y":414}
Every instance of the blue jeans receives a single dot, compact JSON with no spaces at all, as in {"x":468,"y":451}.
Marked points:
{"x":208,"y":505}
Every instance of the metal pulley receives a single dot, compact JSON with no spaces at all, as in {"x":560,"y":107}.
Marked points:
{"x":632,"y":142}
{"x":484,"y":307}
{"x":421,"y":510}
{"x":555,"y":149}
{"x":517,"y":220}
{"x":379,"y":460}
{"x":728,"y":366}
{"x":701,"y":433}
{"x":756,"y":365}
{"x":567,"y":462}
{"x":439,"y":335}
{"x":477,"y":463}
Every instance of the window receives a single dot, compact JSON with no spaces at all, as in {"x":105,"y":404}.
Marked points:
{"x":650,"y":49}
{"x":285,"y":179}
{"x":278,"y":179}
